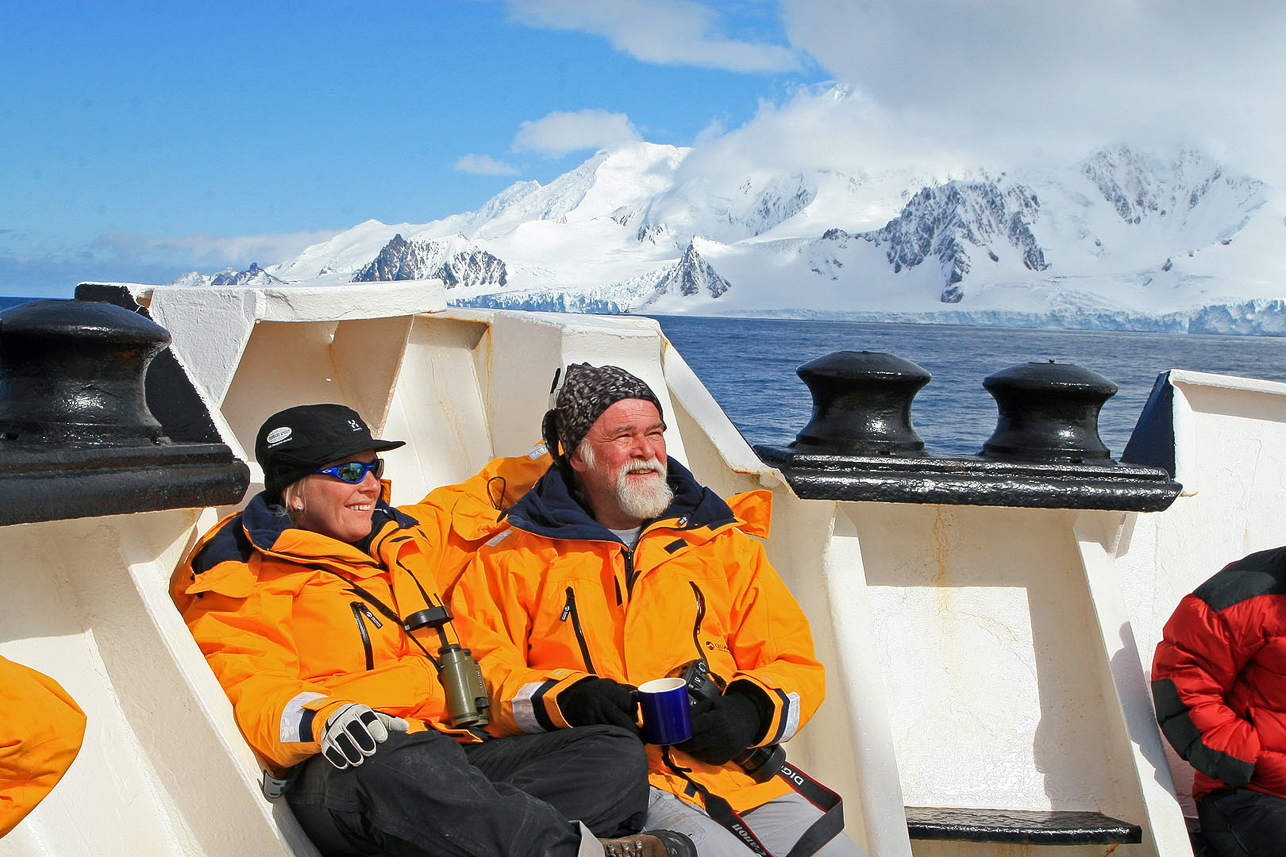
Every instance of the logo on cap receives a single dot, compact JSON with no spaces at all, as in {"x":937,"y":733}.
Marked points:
{"x":278,"y":435}
{"x":355,"y":424}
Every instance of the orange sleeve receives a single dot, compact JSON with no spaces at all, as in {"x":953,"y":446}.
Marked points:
{"x":41,"y":729}
{"x":459,"y":519}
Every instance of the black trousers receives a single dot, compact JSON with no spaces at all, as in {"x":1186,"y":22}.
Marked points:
{"x":424,"y":794}
{"x":1243,"y":823}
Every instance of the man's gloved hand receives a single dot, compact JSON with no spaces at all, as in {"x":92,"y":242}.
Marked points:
{"x":599,"y":700}
{"x":722,"y":728}
{"x":353,"y":732}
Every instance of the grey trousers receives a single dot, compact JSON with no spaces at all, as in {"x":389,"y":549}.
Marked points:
{"x":425,"y":795}
{"x":778,"y":824}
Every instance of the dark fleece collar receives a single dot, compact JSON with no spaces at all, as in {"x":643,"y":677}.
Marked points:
{"x":261,"y":523}
{"x":550,"y":509}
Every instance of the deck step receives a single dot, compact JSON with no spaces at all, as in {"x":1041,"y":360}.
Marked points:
{"x":1023,"y":826}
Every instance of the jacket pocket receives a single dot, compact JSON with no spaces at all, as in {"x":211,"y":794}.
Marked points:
{"x":361,"y":613}
{"x":569,"y":611}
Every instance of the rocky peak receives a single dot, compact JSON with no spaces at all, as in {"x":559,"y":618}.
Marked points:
{"x":252,"y":276}
{"x":691,"y":275}
{"x":951,"y":221}
{"x":457,"y":262}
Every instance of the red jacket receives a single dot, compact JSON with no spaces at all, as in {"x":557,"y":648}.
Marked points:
{"x":1219,"y":677}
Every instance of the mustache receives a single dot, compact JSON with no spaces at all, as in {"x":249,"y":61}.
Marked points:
{"x":652,"y":465}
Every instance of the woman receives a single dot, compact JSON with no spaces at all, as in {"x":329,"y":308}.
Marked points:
{"x":318,"y":609}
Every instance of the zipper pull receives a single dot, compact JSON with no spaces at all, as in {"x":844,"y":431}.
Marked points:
{"x":369,"y":615}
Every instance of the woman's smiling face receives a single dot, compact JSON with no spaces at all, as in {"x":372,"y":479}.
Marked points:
{"x":337,"y":508}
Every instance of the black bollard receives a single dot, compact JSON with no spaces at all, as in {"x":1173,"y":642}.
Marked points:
{"x":861,"y":404}
{"x":1046,"y":453}
{"x":76,"y":436}
{"x":72,"y":373}
{"x":1048,"y":412}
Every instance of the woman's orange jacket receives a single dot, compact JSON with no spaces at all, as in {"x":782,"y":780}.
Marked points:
{"x":41,"y":728}
{"x":295,"y":624}
{"x":578,"y":602}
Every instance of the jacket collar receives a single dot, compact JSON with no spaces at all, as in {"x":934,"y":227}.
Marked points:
{"x":550,"y":508}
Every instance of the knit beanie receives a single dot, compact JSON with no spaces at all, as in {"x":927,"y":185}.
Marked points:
{"x":585,"y":392}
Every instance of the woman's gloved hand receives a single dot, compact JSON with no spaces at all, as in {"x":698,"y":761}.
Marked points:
{"x":354,"y":731}
{"x":600,"y":700}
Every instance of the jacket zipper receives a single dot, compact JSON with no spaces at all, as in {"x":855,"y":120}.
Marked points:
{"x":629,"y":570}
{"x":570,"y":609}
{"x":360,"y":610}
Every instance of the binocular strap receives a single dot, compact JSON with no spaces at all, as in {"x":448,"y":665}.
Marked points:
{"x":820,"y":832}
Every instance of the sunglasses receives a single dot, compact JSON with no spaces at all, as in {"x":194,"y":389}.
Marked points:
{"x":354,"y":472}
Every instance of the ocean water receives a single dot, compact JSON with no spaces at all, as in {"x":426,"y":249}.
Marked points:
{"x":749,"y":367}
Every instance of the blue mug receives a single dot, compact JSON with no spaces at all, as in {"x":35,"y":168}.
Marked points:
{"x":664,"y":702}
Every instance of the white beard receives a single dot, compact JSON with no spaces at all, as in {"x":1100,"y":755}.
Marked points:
{"x":637,"y":498}
{"x":645,"y":498}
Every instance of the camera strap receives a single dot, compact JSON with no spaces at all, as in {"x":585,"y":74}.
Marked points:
{"x":820,"y":832}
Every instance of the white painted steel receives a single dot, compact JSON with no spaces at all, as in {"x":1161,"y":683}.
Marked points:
{"x":162,"y":770}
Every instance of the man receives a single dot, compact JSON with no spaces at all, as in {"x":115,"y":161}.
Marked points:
{"x":619,"y":568}
{"x":318,"y":609}
{"x":1219,"y":681}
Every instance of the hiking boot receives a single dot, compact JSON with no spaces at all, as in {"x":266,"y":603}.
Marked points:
{"x":650,"y":843}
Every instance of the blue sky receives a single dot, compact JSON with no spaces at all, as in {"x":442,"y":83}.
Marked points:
{"x":142,"y":140}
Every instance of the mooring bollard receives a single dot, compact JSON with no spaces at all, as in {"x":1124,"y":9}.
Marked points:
{"x":861,"y":404}
{"x":77,"y":438}
{"x":1046,"y":452}
{"x":1048,"y":412}
{"x":72,"y":373}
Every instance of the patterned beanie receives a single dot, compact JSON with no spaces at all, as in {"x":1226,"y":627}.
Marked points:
{"x":585,"y":392}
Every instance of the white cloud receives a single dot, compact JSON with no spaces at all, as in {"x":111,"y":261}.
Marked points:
{"x":1021,"y":80}
{"x":665,"y":32}
{"x":484,"y":165}
{"x":198,"y":248}
{"x":561,"y":132}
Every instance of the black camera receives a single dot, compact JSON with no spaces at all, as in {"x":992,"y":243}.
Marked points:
{"x":762,"y":763}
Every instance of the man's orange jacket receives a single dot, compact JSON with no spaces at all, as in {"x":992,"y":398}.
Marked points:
{"x":578,"y":602}
{"x":294,"y":624}
{"x":41,"y":728}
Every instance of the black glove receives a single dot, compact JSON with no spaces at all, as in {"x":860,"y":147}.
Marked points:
{"x":599,"y":700}
{"x":723,"y":727}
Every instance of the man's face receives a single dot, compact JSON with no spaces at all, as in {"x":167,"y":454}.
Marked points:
{"x":621,"y":464}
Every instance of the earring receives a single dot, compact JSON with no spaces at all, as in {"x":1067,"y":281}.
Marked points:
{"x":299,"y":506}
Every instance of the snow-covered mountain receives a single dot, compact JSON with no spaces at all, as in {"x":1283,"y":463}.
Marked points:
{"x":1122,"y":239}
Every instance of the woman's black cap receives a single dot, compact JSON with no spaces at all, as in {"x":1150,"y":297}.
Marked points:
{"x":297,"y":441}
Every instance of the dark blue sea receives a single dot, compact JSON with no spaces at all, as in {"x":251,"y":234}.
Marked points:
{"x":749,"y":366}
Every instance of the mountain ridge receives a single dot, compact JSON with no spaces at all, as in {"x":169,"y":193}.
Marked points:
{"x":1120,"y":234}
